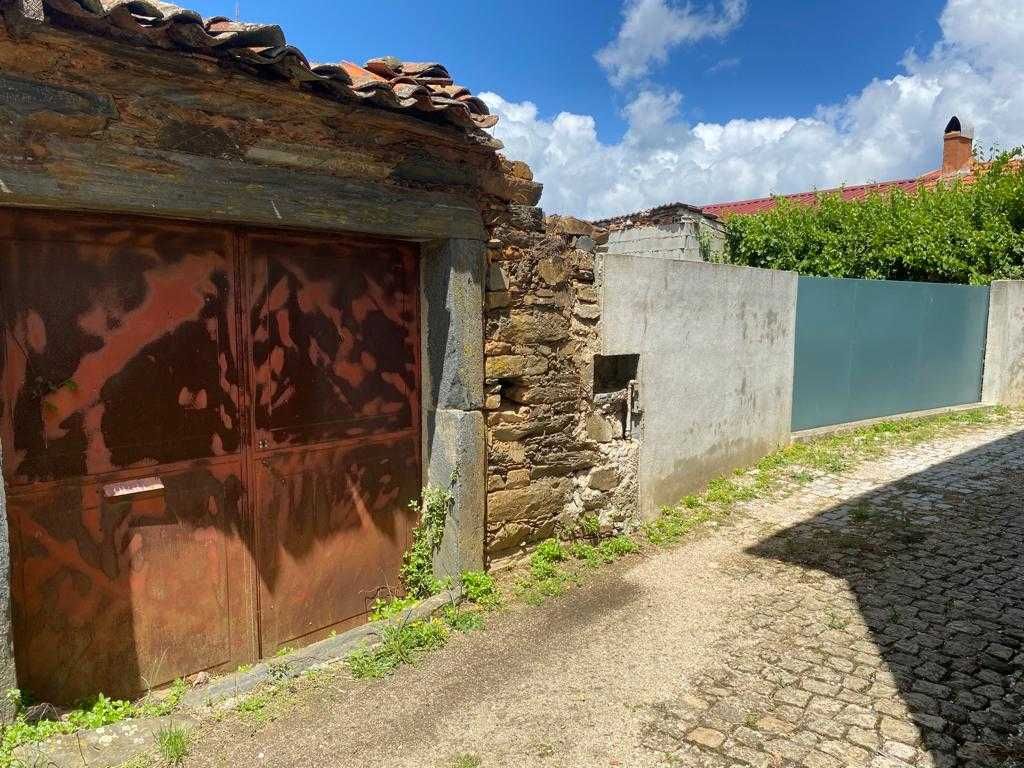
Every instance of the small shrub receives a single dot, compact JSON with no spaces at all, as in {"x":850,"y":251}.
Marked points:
{"x":173,"y":744}
{"x":417,"y":570}
{"x":951,"y":233}
{"x":616,"y":547}
{"x":462,"y":621}
{"x":392,"y":606}
{"x":398,"y":645}
{"x":367,"y":664}
{"x":586,"y":553}
{"x":589,"y":525}
{"x":480,"y":588}
{"x":549,"y":551}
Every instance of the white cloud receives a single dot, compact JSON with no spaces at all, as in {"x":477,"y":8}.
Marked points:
{"x":891,"y":129}
{"x":651,"y":28}
{"x":724,"y":65}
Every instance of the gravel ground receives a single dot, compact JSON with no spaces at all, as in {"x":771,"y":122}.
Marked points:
{"x":761,"y":642}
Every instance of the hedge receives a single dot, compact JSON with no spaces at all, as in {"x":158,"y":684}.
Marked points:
{"x":951,"y":233}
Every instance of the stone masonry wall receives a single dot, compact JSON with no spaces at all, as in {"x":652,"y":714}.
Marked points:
{"x":555,"y":456}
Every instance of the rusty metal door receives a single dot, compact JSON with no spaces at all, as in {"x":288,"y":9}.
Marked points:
{"x":188,"y":488}
{"x":334,"y":347}
{"x":120,"y":418}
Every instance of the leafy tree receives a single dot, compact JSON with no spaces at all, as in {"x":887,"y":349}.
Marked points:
{"x":954,"y":232}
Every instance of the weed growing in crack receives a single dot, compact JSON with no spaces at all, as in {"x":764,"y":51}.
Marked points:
{"x":173,"y":744}
{"x":277,"y":671}
{"x":834,"y":621}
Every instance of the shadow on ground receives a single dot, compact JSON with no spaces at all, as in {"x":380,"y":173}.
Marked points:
{"x":935,"y":563}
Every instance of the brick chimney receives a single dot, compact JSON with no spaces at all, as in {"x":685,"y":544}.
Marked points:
{"x":957,"y":147}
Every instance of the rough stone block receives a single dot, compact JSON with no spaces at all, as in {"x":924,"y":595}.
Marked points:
{"x":527,"y":217}
{"x":546,"y":392}
{"x":453,"y":275}
{"x":541,"y":498}
{"x":514,"y":366}
{"x":535,"y":327}
{"x":604,"y":478}
{"x":457,"y":443}
{"x":602,"y":430}
{"x":496,"y":278}
{"x":552,"y":271}
{"x":498,"y":299}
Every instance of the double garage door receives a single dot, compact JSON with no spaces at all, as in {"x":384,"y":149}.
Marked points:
{"x":211,"y":439}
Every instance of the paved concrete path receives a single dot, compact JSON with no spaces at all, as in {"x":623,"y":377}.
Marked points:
{"x":874,"y":618}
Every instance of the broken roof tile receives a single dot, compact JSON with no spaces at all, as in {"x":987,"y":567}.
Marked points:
{"x":421,"y":87}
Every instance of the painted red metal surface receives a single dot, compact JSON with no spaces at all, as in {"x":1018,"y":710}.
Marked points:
{"x":335,"y":343}
{"x":120,"y":365}
{"x":186,"y":489}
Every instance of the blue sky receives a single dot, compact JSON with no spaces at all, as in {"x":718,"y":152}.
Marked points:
{"x":787,"y":57}
{"x":623,"y":104}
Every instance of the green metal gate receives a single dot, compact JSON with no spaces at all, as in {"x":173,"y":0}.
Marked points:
{"x":871,"y":348}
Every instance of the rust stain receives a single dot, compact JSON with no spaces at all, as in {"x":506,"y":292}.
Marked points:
{"x":123,"y":365}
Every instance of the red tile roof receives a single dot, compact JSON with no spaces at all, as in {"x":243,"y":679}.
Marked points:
{"x":423,"y":88}
{"x":746,"y":207}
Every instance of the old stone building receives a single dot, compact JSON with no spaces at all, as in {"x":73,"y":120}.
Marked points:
{"x":244,"y":320}
{"x":251,"y":306}
{"x":672,"y":231}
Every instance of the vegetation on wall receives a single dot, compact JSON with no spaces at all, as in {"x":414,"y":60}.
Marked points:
{"x":418,"y":562}
{"x":952,"y":233}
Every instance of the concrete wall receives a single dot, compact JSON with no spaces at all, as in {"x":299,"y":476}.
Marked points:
{"x":1004,"y":351}
{"x":677,"y":240}
{"x":716,"y":365}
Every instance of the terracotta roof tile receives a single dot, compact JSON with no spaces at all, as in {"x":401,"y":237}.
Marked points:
{"x":421,"y":87}
{"x":747,"y":207}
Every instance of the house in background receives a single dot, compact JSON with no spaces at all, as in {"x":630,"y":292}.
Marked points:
{"x":697,"y":233}
{"x":673,"y":231}
{"x":958,"y":162}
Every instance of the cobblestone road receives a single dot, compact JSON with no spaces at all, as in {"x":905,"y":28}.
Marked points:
{"x":892,"y":633}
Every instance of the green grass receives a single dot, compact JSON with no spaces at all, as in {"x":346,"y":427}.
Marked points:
{"x":405,"y":643}
{"x":554,"y":567}
{"x":94,"y":713}
{"x":480,"y":588}
{"x":799,"y":463}
{"x":466,"y":761}
{"x":173,"y":744}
